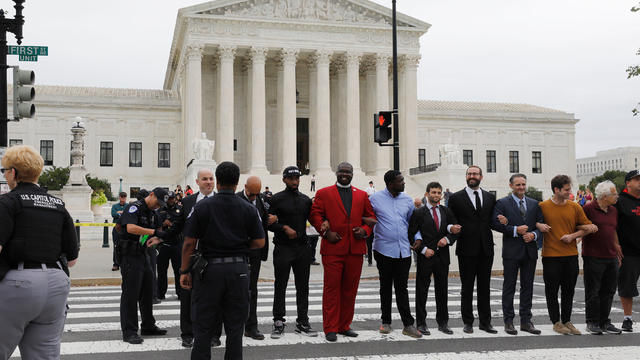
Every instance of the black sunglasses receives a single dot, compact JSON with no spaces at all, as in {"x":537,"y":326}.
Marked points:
{"x":2,"y":170}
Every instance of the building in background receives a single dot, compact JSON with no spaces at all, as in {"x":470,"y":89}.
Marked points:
{"x":622,"y":159}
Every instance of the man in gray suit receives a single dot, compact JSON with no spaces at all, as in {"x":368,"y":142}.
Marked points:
{"x":519,"y":250}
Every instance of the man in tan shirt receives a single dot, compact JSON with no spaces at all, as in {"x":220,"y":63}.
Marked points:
{"x":565,"y":222}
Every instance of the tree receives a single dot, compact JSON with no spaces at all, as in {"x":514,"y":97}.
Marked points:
{"x":615,"y":176}
{"x":100,"y":185}
{"x":634,"y":70}
{"x":533,"y":193}
{"x":54,"y":178}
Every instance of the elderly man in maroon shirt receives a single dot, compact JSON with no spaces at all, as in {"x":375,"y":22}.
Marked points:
{"x":601,"y":253}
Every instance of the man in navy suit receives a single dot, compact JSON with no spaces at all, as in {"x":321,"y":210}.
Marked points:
{"x":520,"y":241}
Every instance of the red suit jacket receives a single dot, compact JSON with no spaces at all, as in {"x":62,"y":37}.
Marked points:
{"x":327,"y":205}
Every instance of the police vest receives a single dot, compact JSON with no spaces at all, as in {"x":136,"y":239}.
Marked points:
{"x":38,"y":223}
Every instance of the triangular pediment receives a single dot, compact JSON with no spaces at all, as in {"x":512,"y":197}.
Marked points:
{"x":334,"y":11}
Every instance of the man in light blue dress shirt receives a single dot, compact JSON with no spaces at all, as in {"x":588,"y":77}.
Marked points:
{"x":392,"y":250}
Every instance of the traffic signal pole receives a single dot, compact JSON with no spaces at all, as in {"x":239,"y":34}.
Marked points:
{"x":15,"y":26}
{"x":396,"y":137}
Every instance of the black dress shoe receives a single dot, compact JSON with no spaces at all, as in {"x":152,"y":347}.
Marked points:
{"x":468,"y":328}
{"x":424,"y":330}
{"x":488,"y":328}
{"x":187,"y":342}
{"x":509,"y":329}
{"x":348,"y":333}
{"x":254,"y":334}
{"x":215,"y":341}
{"x":332,"y":337}
{"x":528,"y":327}
{"x":154,"y":331}
{"x":445,"y":329}
{"x":133,"y":339}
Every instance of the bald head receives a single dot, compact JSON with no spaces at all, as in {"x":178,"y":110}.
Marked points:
{"x":205,"y":181}
{"x":252,"y":187}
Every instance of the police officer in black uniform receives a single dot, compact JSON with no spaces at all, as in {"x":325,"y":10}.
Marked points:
{"x":139,"y":232}
{"x":291,"y":251}
{"x":227,"y":228}
{"x":171,"y":218}
{"x":36,"y":231}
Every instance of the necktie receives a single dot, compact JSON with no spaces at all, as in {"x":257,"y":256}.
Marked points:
{"x":478,"y":203}
{"x":435,"y":218}
{"x":522,"y":209}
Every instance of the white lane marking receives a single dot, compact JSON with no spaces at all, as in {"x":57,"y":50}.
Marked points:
{"x":593,"y":353}
{"x":289,"y":300}
{"x":163,"y":344}
{"x":265,"y":309}
{"x":268,"y":320}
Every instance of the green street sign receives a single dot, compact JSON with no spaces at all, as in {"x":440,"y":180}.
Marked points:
{"x":28,"y":57}
{"x":28,"y":51}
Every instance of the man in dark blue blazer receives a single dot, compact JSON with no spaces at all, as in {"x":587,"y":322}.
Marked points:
{"x":519,"y":250}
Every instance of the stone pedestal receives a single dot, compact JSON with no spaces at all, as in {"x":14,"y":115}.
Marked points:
{"x":77,"y":199}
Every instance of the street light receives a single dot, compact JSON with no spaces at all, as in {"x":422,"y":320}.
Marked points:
{"x":120,"y":185}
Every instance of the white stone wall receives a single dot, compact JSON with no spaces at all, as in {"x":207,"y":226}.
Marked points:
{"x":117,"y":115}
{"x":501,"y":127}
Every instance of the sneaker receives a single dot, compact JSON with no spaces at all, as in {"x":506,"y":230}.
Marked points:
{"x":609,"y":328}
{"x":594,"y":328}
{"x":572,"y":329}
{"x":627,"y":325}
{"x":305,"y":329}
{"x":385,"y":328}
{"x":411,"y":331}
{"x":278,"y":329}
{"x":561,"y":329}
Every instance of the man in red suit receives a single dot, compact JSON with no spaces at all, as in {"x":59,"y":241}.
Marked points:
{"x":339,"y":213}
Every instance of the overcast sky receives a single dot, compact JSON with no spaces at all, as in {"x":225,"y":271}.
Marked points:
{"x":569,"y":55}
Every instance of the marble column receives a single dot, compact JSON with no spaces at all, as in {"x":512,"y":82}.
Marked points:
{"x":320,"y":121}
{"x":225,"y":135}
{"x":192,"y":96}
{"x":382,"y":153}
{"x":408,"y":112}
{"x":257,"y":127}
{"x":287,"y":144}
{"x":353,"y":110}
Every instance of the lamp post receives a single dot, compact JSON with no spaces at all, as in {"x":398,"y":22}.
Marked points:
{"x":120,"y":185}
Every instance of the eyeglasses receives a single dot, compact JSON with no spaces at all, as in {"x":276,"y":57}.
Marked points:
{"x":473,"y":174}
{"x":3,"y":170}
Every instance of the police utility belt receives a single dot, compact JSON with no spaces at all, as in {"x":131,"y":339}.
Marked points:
{"x":227,"y":260}
{"x":35,"y":265}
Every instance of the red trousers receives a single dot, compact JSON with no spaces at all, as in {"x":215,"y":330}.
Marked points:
{"x":341,"y":280}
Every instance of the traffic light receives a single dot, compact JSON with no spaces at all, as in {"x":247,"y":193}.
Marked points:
{"x":382,"y":126}
{"x":23,"y":93}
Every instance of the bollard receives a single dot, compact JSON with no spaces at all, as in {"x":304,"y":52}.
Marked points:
{"x":105,"y":236}
{"x":78,"y":231}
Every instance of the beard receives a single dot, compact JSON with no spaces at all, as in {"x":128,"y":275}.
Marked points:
{"x":473,"y":183}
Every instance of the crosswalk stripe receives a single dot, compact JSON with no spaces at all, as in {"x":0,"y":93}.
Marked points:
{"x":161,"y":344}
{"x":621,"y":352}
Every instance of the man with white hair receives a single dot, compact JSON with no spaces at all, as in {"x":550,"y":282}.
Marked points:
{"x":601,"y":253}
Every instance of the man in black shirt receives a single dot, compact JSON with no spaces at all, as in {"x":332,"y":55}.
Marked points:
{"x":171,"y":218}
{"x":226,"y":227}
{"x":139,"y":232}
{"x":291,"y":252}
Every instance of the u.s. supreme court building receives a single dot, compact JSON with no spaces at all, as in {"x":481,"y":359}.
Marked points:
{"x":273,"y":83}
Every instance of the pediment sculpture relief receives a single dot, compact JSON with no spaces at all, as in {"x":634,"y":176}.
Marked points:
{"x":324,"y":10}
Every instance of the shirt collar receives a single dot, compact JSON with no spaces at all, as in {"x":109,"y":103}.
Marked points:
{"x":470,"y":191}
{"x":517,"y":199}
{"x":343,"y":186}
{"x":429,"y":206}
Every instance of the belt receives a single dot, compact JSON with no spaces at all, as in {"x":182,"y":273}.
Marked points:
{"x":227,"y":260}
{"x":36,"y":265}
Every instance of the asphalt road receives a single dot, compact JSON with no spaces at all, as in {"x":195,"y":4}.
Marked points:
{"x":93,"y":331}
